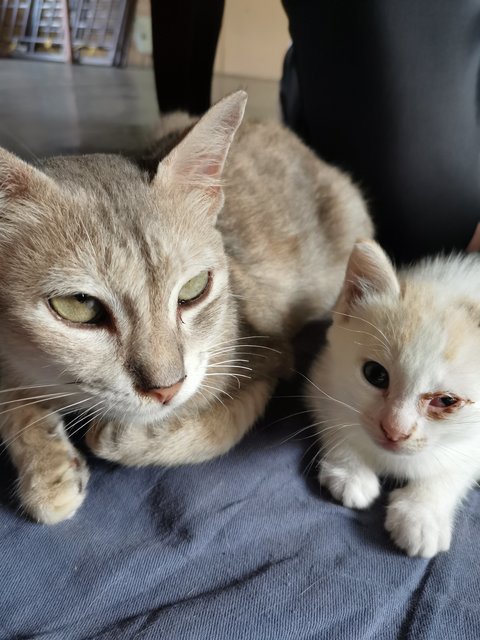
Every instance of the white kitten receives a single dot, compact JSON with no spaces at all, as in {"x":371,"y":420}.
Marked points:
{"x":398,"y":392}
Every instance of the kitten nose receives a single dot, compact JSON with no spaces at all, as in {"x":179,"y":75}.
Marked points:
{"x":165,"y":394}
{"x":393,"y":433}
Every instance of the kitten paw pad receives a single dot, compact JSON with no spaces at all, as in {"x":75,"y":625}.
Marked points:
{"x":418,"y":529}
{"x":56,"y":497}
{"x":354,"y":489}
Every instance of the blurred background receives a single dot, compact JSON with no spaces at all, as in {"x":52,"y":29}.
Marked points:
{"x":76,"y":75}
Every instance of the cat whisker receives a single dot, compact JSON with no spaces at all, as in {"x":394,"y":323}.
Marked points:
{"x":206,"y":386}
{"x":321,"y":456}
{"x":9,"y":441}
{"x":45,"y":396}
{"x":455,"y":453}
{"x":42,"y":399}
{"x":90,"y":415}
{"x":295,"y":396}
{"x":345,"y":404}
{"x":234,"y":375}
{"x":229,"y":366}
{"x":367,"y":333}
{"x":348,"y":315}
{"x":214,"y":395}
{"x":82,"y":416}
{"x":217,"y":344}
{"x":231,"y":375}
{"x":339,"y":427}
{"x":36,"y":386}
{"x":248,"y":346}
{"x":312,"y":425}
{"x":240,"y":353}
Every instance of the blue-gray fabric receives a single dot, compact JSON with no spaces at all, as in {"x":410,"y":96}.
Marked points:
{"x":242,"y":547}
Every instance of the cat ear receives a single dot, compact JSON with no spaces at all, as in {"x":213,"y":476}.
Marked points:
{"x":198,"y":161}
{"x":20,"y":182}
{"x":369,"y":270}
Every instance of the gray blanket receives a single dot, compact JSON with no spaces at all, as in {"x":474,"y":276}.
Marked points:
{"x":246,"y":546}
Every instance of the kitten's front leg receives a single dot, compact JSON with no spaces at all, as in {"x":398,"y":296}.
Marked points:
{"x":420,"y":516}
{"x":347,"y":477}
{"x":52,"y":475}
{"x":187,"y":437}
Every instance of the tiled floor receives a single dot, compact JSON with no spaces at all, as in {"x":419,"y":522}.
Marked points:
{"x":51,"y":108}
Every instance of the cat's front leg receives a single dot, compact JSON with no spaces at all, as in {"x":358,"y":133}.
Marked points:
{"x":52,"y":475}
{"x":186,"y":437}
{"x":420,"y":516}
{"x":347,"y":477}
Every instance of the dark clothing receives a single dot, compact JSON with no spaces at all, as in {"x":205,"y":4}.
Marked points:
{"x":185,"y":35}
{"x":388,"y":90}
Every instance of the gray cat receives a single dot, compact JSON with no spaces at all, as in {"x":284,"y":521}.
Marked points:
{"x":157,"y":297}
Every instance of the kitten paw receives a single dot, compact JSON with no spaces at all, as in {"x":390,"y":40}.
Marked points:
{"x":55,"y":497}
{"x":417,"y":528}
{"x":356,"y":489}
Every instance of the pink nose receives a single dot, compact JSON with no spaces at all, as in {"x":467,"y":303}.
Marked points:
{"x":393,"y":433}
{"x":165,"y":394}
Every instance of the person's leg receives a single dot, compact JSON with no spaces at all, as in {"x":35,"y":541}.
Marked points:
{"x":185,"y":35}
{"x":388,"y":91}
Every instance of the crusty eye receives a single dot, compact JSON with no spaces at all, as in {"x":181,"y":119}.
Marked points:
{"x":79,"y":308}
{"x":376,"y":374}
{"x":195,"y":288}
{"x":443,"y":401}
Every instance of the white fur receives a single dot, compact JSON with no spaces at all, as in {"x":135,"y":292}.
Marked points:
{"x":424,"y":330}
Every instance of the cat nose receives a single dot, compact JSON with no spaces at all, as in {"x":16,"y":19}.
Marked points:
{"x":165,"y":394}
{"x":393,"y":432}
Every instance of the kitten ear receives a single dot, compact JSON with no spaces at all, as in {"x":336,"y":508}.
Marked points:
{"x":20,"y":182}
{"x":198,"y":161}
{"x":369,"y":270}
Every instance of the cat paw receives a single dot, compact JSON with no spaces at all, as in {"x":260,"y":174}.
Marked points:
{"x":356,"y":489}
{"x":102,"y":440}
{"x":57,"y":496}
{"x":417,"y":528}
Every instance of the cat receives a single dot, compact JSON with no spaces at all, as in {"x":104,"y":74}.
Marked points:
{"x":156,"y":296}
{"x":397,"y":392}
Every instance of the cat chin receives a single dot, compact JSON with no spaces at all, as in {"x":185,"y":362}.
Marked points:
{"x":397,"y":449}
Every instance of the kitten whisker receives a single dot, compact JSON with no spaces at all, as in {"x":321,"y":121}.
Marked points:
{"x":345,"y":404}
{"x":348,"y":315}
{"x":367,"y":333}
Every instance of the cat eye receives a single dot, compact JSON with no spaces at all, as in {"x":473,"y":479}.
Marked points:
{"x":195,"y":288}
{"x":376,"y":374}
{"x":443,"y":401}
{"x":79,"y":308}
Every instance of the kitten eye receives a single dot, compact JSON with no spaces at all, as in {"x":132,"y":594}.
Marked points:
{"x":443,"y":401}
{"x":195,"y":288}
{"x":375,"y":374}
{"x":79,"y":308}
